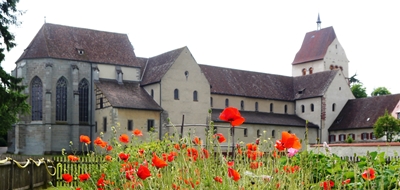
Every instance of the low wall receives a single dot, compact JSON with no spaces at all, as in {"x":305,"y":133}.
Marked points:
{"x":361,"y":149}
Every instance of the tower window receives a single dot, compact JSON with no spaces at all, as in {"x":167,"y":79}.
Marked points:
{"x":333,"y":106}
{"x":130,"y":125}
{"x":152,"y":93}
{"x":195,"y":96}
{"x":211,"y":101}
{"x":84,"y":101}
{"x":150,"y":125}
{"x":36,"y":99}
{"x":176,"y":94}
{"x":227,"y":102}
{"x":245,"y":132}
{"x":258,"y":133}
{"x":271,"y":107}
{"x":242,"y":105}
{"x":304,"y":71}
{"x":312,"y":107}
{"x":256,"y":106}
{"x":302,"y":109}
{"x":273,"y":134}
{"x":285,"y":108}
{"x":104,"y":124}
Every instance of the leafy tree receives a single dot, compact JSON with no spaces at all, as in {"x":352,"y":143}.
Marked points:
{"x":358,"y":90}
{"x":380,"y":91}
{"x":353,"y":79}
{"x":12,"y":101}
{"x":386,"y":125}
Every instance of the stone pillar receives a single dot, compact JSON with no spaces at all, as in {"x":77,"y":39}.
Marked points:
{"x":75,"y":107}
{"x":47,"y":111}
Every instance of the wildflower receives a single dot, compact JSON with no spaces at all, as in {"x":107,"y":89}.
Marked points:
{"x":368,"y":174}
{"x":291,"y":169}
{"x":67,"y":178}
{"x":205,"y":154}
{"x":292,"y":152}
{"x":73,"y":158}
{"x":141,"y":152}
{"x":123,"y":156}
{"x":109,"y":148}
{"x":288,"y":141}
{"x":124,"y":138}
{"x":84,"y":177}
{"x":158,"y":162}
{"x":232,"y":115}
{"x":327,"y":184}
{"x":108,"y":158}
{"x":99,"y":142}
{"x":220,"y":137}
{"x":231,"y":163}
{"x":347,"y":181}
{"x":196,"y":141}
{"x":252,"y":147}
{"x":84,"y":139}
{"x":233,"y":174}
{"x":100,"y":182}
{"x":255,"y":165}
{"x":192,"y":153}
{"x":218,"y":179}
{"x":137,"y":132}
{"x":177,"y":146}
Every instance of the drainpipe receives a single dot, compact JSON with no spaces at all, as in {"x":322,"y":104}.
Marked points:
{"x":91,"y":104}
{"x":160,"y":131}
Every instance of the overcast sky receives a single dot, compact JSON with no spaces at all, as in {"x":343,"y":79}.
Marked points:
{"x":262,"y":36}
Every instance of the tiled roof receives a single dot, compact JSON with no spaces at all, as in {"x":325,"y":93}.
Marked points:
{"x":157,"y":66}
{"x":63,"y":42}
{"x":312,"y":85}
{"x":315,"y":45}
{"x":267,"y":118}
{"x":363,"y":112}
{"x":234,"y":82}
{"x":127,"y":95}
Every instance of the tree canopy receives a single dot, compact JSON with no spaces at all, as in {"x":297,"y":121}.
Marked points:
{"x":12,"y":101}
{"x":380,"y":91}
{"x":358,"y":90}
{"x":386,"y":125}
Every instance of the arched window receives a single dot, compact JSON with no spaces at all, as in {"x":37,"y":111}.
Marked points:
{"x":273,"y":134}
{"x":61,"y":99}
{"x":331,"y":67}
{"x":84,"y":101}
{"x":372,"y":136}
{"x":195,"y":96}
{"x":312,"y":107}
{"x":304,"y":71}
{"x":36,"y":99}
{"x":310,"y":70}
{"x":211,"y":101}
{"x":227,"y":102}
{"x":333,"y":106}
{"x":302,"y":109}
{"x":342,"y":137}
{"x":285,"y":108}
{"x":353,"y":136}
{"x":245,"y":132}
{"x":271,"y":107}
{"x":176,"y":94}
{"x":332,"y":138}
{"x":364,"y":136}
{"x":152,"y":93}
{"x":242,"y":105}
{"x":258,"y":133}
{"x":256,"y":106}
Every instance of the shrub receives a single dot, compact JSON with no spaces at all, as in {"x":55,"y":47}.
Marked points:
{"x":349,"y":139}
{"x":3,"y":142}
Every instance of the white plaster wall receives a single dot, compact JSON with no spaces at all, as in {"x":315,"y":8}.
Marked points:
{"x":317,"y":66}
{"x":131,"y":73}
{"x":106,"y":71}
{"x":335,"y":55}
{"x":156,"y":89}
{"x":311,"y":116}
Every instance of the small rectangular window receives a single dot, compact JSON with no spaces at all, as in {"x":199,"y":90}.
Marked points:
{"x":101,"y":103}
{"x":95,"y":127}
{"x":245,"y":132}
{"x":105,"y":124}
{"x":130,"y":125}
{"x":150,"y":124}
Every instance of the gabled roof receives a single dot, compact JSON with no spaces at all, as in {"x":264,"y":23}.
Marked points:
{"x":264,"y":118}
{"x":234,"y":82}
{"x":312,"y":85}
{"x":127,"y":95}
{"x":364,"y":112}
{"x":315,"y":45}
{"x":63,"y":42}
{"x":159,"y":65}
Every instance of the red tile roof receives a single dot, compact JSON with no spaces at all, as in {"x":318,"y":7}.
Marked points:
{"x":128,"y":95}
{"x":315,"y":45}
{"x":363,"y":112}
{"x":63,"y":42}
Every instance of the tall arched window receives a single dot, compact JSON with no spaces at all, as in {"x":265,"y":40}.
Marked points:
{"x":36,"y":99}
{"x":211,"y":101}
{"x":61,"y":99}
{"x":195,"y":96}
{"x":273,"y":134}
{"x":302,"y":109}
{"x":333,"y":106}
{"x":310,"y":70}
{"x":304,"y":71}
{"x":256,"y":106}
{"x":176,"y":94}
{"x":271,"y":107}
{"x":242,"y":105}
{"x":227,"y":102}
{"x":258,"y":133}
{"x":84,"y":101}
{"x":312,"y":107}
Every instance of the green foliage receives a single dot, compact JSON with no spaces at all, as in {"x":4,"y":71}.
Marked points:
{"x":353,"y":79}
{"x":380,"y":91}
{"x":12,"y":100}
{"x":359,"y":91}
{"x":3,"y":142}
{"x":349,"y":139}
{"x":386,"y":125}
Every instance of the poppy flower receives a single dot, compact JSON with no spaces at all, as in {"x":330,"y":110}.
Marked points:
{"x":255,"y":165}
{"x":84,"y":139}
{"x":252,"y":147}
{"x":109,"y":148}
{"x":233,"y":174}
{"x":67,"y":178}
{"x":158,"y":162}
{"x":99,"y":142}
{"x":220,"y":137}
{"x":123,"y":156}
{"x":124,"y":138}
{"x":291,"y":169}
{"x":100,"y":182}
{"x":73,"y":158}
{"x":108,"y":158}
{"x":231,"y":115}
{"x":218,"y":179}
{"x":196,"y":140}
{"x":368,"y":174}
{"x":205,"y":154}
{"x":230,"y":163}
{"x":143,"y":172}
{"x":84,"y":177}
{"x":347,"y":181}
{"x":137,"y":132}
{"x":327,"y":184}
{"x":288,"y":141}
{"x":192,"y":153}
{"x":129,"y":174}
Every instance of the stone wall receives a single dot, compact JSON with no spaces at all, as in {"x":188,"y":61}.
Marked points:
{"x":351,"y":149}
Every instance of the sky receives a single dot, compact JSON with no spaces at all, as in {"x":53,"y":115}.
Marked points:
{"x":255,"y":35}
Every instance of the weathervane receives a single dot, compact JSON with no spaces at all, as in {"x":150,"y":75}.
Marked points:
{"x":318,"y":23}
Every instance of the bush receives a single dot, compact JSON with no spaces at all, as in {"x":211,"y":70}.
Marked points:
{"x":3,"y":142}
{"x":349,"y":139}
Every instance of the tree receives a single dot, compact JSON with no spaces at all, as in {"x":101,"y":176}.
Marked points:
{"x":359,"y":91}
{"x":12,"y":101}
{"x":386,"y":125}
{"x":380,"y":91}
{"x":353,"y":79}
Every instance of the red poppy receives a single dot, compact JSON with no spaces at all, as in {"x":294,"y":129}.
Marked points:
{"x":67,"y":178}
{"x":124,"y":138}
{"x":255,"y":165}
{"x":73,"y":158}
{"x":327,"y":184}
{"x":291,"y":169}
{"x":230,"y":163}
{"x":192,"y":153}
{"x":158,"y":162}
{"x":99,"y":142}
{"x":205,"y":154}
{"x":129,"y":174}
{"x":84,"y":139}
{"x":220,"y":137}
{"x":137,"y":132}
{"x":123,"y":156}
{"x":141,"y":152}
{"x":347,"y":181}
{"x":232,"y":115}
{"x":233,"y":174}
{"x":84,"y":177}
{"x":368,"y":174}
{"x":252,"y":147}
{"x":108,"y":158}
{"x":196,"y":141}
{"x":100,"y":182}
{"x":288,"y":141}
{"x":218,"y":179}
{"x":143,"y":172}
{"x":109,"y":148}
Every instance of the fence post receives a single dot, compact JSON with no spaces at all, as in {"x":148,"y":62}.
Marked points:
{"x":45,"y":176}
{"x":31,"y":173}
{"x":11,"y":174}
